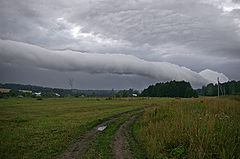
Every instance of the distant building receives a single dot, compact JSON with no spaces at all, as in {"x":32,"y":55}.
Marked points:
{"x":37,"y":94}
{"x":25,"y":91}
{"x":3,"y":90}
{"x":58,"y":95}
{"x":134,"y":95}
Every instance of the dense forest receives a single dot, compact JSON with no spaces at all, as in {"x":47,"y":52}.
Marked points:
{"x":227,"y":88}
{"x":170,"y":89}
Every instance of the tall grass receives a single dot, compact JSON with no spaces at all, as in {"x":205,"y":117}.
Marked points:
{"x":194,"y":128}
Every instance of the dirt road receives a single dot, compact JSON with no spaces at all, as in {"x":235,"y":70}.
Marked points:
{"x":77,"y":150}
{"x":120,"y":145}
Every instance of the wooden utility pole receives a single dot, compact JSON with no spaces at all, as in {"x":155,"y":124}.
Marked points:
{"x":218,"y":85}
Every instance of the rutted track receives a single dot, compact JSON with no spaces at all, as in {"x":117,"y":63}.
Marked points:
{"x":120,"y":145}
{"x":77,"y":150}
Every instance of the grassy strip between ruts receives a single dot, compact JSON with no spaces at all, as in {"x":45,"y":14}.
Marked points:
{"x":135,"y":147}
{"x":101,"y":147}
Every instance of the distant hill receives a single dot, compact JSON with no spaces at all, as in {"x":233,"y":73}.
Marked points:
{"x":97,"y":93}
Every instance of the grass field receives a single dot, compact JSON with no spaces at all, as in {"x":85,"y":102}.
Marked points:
{"x":32,"y":128}
{"x":194,"y":128}
{"x":168,"y":128}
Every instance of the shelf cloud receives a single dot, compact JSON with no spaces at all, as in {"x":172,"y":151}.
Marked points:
{"x":67,"y":60}
{"x":120,"y":44}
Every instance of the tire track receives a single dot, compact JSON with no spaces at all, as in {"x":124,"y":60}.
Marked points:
{"x":77,"y":150}
{"x":120,"y":145}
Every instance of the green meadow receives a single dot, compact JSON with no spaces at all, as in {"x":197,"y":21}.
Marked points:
{"x":167,"y":127}
{"x":31,"y":128}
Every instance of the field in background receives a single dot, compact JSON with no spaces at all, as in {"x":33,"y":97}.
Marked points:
{"x":195,"y":128}
{"x":169,"y":127}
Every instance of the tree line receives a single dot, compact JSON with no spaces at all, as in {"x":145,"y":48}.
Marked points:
{"x":127,"y":93}
{"x":170,"y":89}
{"x":47,"y":91}
{"x":227,"y":88}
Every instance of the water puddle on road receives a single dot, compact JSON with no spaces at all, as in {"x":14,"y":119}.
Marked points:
{"x":101,"y":128}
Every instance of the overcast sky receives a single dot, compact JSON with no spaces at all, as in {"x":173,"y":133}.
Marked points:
{"x":105,"y":44}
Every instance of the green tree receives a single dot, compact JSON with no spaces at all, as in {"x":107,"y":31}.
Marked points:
{"x":170,"y":89}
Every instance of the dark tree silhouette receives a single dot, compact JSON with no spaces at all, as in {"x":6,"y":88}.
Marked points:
{"x":170,"y":89}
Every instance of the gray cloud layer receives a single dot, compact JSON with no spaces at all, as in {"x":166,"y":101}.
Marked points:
{"x":202,"y":34}
{"x":25,"y":54}
{"x":166,"y":27}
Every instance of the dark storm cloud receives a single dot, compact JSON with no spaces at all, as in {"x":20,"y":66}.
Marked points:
{"x":205,"y":34}
{"x":31,"y":55}
{"x":50,"y":78}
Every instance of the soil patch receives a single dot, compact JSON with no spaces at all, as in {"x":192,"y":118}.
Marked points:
{"x":120,"y":145}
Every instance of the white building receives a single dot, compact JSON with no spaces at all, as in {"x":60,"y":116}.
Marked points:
{"x":37,"y":94}
{"x":58,"y":95}
{"x":134,"y":95}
